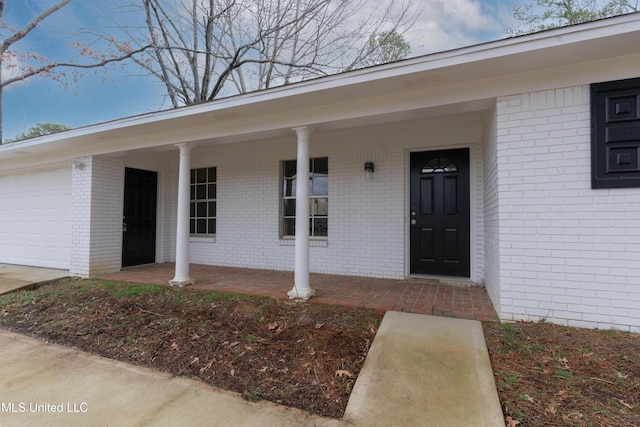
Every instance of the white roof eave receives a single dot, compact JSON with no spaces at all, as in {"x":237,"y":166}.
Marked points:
{"x":591,"y":41}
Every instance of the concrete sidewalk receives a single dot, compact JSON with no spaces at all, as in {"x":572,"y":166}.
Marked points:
{"x":14,"y":277}
{"x":421,"y":371}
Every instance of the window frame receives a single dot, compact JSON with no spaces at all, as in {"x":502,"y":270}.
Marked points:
{"x":318,"y":199}
{"x":203,"y":192}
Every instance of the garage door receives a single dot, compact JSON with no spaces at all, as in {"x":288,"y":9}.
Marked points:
{"x":35,"y":218}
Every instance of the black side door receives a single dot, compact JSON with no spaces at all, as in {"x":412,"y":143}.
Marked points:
{"x":139,"y":217}
{"x":440,"y":213}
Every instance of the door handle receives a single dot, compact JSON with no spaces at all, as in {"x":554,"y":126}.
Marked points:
{"x":413,"y":222}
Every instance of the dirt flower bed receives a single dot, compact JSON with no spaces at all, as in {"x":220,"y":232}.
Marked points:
{"x":308,"y":356}
{"x":301,"y":355}
{"x":548,"y":375}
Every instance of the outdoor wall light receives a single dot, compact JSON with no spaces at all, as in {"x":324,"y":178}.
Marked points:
{"x":368,"y":170}
{"x":77,"y":164}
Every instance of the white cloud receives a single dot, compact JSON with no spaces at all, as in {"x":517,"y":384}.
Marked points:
{"x":448,"y":24}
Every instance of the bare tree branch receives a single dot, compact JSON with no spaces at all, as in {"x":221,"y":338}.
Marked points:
{"x":204,"y":49}
{"x":33,"y":23}
{"x":19,"y":66}
{"x":49,"y":67}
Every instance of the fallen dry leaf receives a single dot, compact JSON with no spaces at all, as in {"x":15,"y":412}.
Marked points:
{"x":511,"y":422}
{"x":564,"y":362}
{"x":205,"y":368}
{"x":319,"y":325}
{"x":625,"y":404}
{"x":272,"y":326}
{"x":341,"y":373}
{"x":621,"y":375}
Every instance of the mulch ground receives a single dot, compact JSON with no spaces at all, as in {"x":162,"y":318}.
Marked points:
{"x":301,"y":355}
{"x":308,"y":356}
{"x":549,"y":375}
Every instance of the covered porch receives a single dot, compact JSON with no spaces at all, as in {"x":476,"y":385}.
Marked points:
{"x":420,"y":296}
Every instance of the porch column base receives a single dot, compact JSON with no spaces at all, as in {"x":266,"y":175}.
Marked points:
{"x":182,"y":281}
{"x":303,"y":294}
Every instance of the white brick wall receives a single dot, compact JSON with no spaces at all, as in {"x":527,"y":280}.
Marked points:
{"x":81,"y":217}
{"x":491,"y":211}
{"x":96,"y":235}
{"x":366,"y":219}
{"x":247,"y":232}
{"x":107,"y":199}
{"x":477,"y":213}
{"x":568,"y":253}
{"x":363,"y":239}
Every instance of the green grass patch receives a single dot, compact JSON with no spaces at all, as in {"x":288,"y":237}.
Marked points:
{"x":212,"y":296}
{"x":253,"y":395}
{"x":251,"y":338}
{"x":88,"y":285}
{"x":27,"y":296}
{"x":135,"y":289}
{"x":510,"y":377}
{"x":563,"y":373}
{"x":509,"y":338}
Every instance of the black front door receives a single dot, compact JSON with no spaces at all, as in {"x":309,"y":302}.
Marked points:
{"x":139,"y":217}
{"x":439,"y":215}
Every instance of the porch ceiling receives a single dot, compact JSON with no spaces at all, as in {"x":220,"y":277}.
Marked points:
{"x":457,"y":81}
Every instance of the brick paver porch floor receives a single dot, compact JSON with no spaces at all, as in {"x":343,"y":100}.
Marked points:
{"x":422,"y":296}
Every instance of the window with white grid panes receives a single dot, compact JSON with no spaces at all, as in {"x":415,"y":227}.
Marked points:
{"x":203,"y":207}
{"x":318,"y":181}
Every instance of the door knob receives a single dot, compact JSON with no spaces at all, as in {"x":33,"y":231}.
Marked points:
{"x":413,"y":222}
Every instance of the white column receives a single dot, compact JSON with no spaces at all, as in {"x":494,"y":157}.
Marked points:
{"x":182,"y":235}
{"x":301,"y":288}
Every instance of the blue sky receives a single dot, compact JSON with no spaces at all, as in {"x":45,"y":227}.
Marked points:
{"x":95,"y":98}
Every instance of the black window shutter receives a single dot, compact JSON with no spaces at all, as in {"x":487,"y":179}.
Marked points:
{"x":615,"y":134}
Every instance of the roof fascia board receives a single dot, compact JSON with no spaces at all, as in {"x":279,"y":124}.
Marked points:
{"x":483,"y":52}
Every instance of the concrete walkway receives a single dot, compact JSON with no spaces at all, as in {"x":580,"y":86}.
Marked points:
{"x":14,"y":277}
{"x":426,"y":371}
{"x":421,"y":371}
